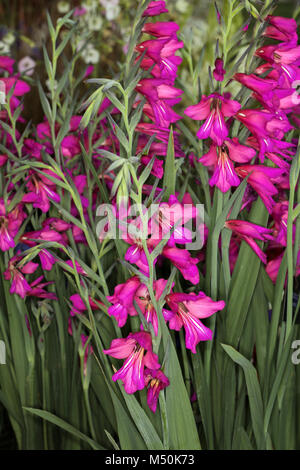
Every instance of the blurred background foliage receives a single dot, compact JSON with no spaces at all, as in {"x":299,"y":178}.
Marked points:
{"x":104,"y":30}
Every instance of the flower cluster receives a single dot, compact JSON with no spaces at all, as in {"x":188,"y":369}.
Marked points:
{"x":264,"y":157}
{"x":141,"y":368}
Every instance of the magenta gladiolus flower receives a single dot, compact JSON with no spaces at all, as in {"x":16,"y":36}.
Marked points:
{"x":15,"y":273}
{"x":261,"y":179}
{"x":265,"y":126}
{"x":20,"y":87}
{"x":37,"y":289}
{"x":213,"y":108}
{"x":136,"y":349}
{"x":79,"y":307}
{"x":135,"y":253}
{"x":122,"y":300}
{"x":142,"y":298}
{"x":156,"y":8}
{"x":160,"y":57}
{"x":169,"y":215}
{"x":219,"y":70}
{"x":259,"y":85}
{"x":186,"y":311}
{"x":56,"y":224}
{"x":220,"y":158}
{"x":279,"y":151}
{"x":46,"y":258}
{"x":248,"y":231}
{"x":70,"y":146}
{"x":155,"y":381}
{"x":41,"y":189}
{"x":161,"y":29}
{"x":9,"y":225}
{"x":183,"y":261}
{"x":161,"y":96}
{"x":6,"y":63}
{"x":280,"y":217}
{"x":278,"y":54}
{"x":273,"y":266}
{"x":157,"y":167}
{"x":282,"y":29}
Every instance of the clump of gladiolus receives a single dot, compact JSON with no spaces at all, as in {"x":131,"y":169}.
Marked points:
{"x":264,"y":158}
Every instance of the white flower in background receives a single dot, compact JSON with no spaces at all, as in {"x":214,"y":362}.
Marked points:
{"x":91,"y":55}
{"x":112,"y":12}
{"x":49,"y":85}
{"x":4,"y":48}
{"x":181,"y":6}
{"x":95,"y":23}
{"x":9,"y":39}
{"x":63,"y":7}
{"x":89,"y":5}
{"x":107,"y":3}
{"x":26,"y":65}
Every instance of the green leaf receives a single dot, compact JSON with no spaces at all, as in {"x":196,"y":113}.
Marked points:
{"x":254,"y":393}
{"x":65,"y":426}
{"x":169,"y":180}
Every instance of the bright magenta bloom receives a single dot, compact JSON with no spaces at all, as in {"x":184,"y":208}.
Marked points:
{"x":161,"y":96}
{"x":142,"y":298}
{"x":171,"y":214}
{"x":15,"y":273}
{"x":160,"y":57}
{"x":280,"y":217}
{"x":155,"y":8}
{"x":79,"y":307}
{"x":155,"y":381}
{"x":186,"y":311}
{"x":20,"y":87}
{"x":37,"y":290}
{"x":136,"y":349}
{"x":261,"y":179}
{"x":283,"y":29}
{"x":219,"y":70}
{"x":213,"y":108}
{"x":248,"y":231}
{"x":265,"y":126}
{"x":9,"y":225}
{"x":6,"y":63}
{"x":161,"y":29}
{"x":183,"y":261}
{"x":122,"y":300}
{"x":222,"y":158}
{"x":41,"y":189}
{"x":46,"y":258}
